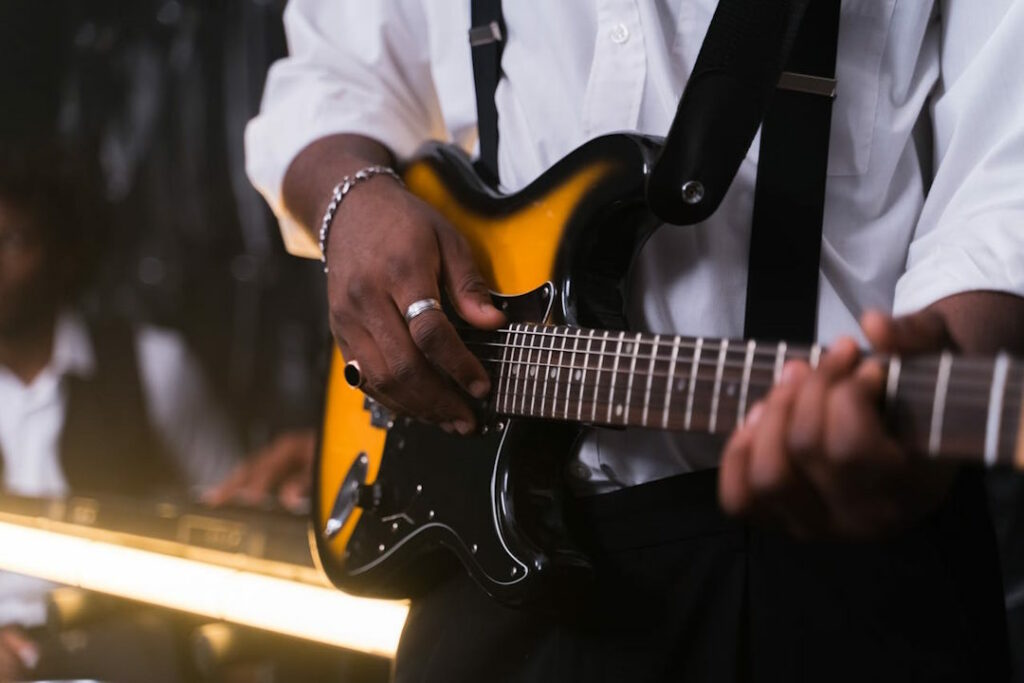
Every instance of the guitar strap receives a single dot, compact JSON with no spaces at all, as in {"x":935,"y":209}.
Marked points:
{"x":487,"y":41}
{"x":738,"y":83}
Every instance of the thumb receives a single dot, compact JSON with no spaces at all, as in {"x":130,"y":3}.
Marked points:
{"x":465,"y":284}
{"x":919,"y":332}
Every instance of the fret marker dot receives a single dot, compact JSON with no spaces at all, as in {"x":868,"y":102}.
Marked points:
{"x":533,"y":372}
{"x":618,"y":410}
{"x":515,"y":370}
{"x":628,"y":348}
{"x":578,"y":375}
{"x":730,"y":390}
{"x":552,"y":372}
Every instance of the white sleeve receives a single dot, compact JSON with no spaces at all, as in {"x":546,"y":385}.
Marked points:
{"x":971,"y":232}
{"x":182,"y":411}
{"x":353,"y":67}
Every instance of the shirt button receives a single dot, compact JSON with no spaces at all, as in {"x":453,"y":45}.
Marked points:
{"x":619,"y":34}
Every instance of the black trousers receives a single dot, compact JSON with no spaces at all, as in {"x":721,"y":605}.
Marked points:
{"x":688,"y":595}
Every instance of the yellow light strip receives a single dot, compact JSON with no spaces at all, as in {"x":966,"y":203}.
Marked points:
{"x":296,"y":609}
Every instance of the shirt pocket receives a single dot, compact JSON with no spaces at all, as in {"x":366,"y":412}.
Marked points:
{"x":863,"y":34}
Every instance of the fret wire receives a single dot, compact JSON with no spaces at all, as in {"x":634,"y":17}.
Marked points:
{"x":615,"y":374}
{"x":995,"y":408}
{"x":547,"y":374}
{"x":670,"y":382}
{"x":650,"y":379}
{"x":939,"y":406}
{"x":892,"y":380}
{"x":558,"y":374}
{"x":741,"y":412}
{"x":572,"y":373}
{"x":597,"y":383}
{"x":511,"y":378}
{"x":502,"y":376}
{"x":632,"y":374}
{"x":517,"y":371}
{"x":693,"y":380}
{"x":713,"y":421}
{"x":531,"y":371}
{"x":815,"y":357}
{"x":780,"y":360}
{"x":583,"y":379}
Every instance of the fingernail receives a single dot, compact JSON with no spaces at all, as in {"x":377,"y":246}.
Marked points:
{"x":448,"y":427}
{"x":463,"y":427}
{"x":479,"y":388}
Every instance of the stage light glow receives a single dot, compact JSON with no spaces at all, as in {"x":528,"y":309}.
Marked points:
{"x":297,"y":609}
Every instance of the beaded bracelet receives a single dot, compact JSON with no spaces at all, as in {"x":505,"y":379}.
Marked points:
{"x":338,"y":194}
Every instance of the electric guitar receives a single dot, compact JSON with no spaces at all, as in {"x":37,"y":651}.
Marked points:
{"x":398,"y":503}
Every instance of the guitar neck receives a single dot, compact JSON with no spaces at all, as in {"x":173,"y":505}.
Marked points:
{"x":943,"y":405}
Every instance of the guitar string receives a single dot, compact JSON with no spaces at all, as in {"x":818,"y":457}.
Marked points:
{"x":708,"y":344}
{"x":733,"y":349}
{"x":909,"y":373}
{"x":562,"y":393}
{"x":561,"y":388}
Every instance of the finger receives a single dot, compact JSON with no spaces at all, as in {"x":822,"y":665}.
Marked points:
{"x":407,"y":377}
{"x":294,"y":493}
{"x":368,"y":356}
{"x":854,"y":433}
{"x":808,"y":420}
{"x":733,"y":489}
{"x":227,"y":489}
{"x":437,"y":339}
{"x":26,"y":649}
{"x":916,"y":333}
{"x":465,"y":284}
{"x":840,"y":359}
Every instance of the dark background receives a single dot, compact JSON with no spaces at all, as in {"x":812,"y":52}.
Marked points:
{"x":153,"y":97}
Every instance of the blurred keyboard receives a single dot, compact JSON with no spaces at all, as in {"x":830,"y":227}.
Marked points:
{"x":266,"y":541}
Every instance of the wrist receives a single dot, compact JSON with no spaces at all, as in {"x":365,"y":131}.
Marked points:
{"x":339,"y":194}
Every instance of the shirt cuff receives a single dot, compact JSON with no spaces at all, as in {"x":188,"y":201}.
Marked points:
{"x":948,"y":269}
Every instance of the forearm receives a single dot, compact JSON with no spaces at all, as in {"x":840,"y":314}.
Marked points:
{"x":317,"y":169}
{"x":984,"y":322}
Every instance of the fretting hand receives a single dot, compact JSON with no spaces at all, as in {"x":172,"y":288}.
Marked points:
{"x":814,"y":458}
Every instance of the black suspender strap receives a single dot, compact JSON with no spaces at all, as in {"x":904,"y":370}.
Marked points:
{"x":487,"y":40}
{"x":789,"y":199}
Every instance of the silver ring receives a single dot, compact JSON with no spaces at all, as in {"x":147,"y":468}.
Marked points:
{"x":420,"y":307}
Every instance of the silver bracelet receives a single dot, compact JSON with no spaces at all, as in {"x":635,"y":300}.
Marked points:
{"x":338,"y":194}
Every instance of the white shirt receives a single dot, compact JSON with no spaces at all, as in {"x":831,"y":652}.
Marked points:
{"x":181,"y":411}
{"x":923,"y":85}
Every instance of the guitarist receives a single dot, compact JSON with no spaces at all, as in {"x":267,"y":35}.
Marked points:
{"x":840,"y":556}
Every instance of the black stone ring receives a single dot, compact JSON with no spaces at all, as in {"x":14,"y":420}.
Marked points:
{"x":353,"y":375}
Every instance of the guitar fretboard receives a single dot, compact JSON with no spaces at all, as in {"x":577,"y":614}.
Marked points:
{"x":949,"y":405}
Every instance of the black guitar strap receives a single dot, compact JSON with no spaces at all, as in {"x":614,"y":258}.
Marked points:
{"x":487,"y":41}
{"x":789,"y":199}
